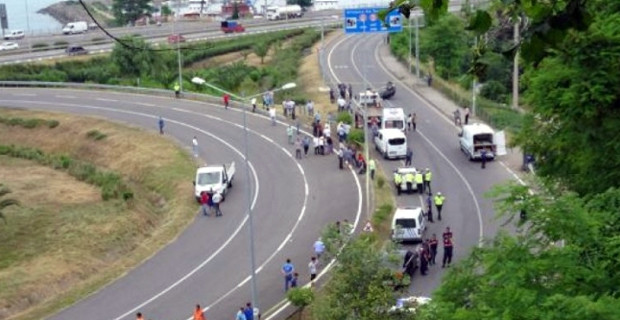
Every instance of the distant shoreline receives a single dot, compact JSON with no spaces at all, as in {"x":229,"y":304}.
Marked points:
{"x":68,"y":11}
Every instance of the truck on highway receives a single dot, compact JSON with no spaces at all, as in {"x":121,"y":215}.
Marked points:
{"x":393,"y":118}
{"x":75,"y":27}
{"x":477,"y":137}
{"x":284,"y":12}
{"x":214,"y":178}
{"x":368,"y":102}
{"x":391,"y":143}
{"x":231,"y":26}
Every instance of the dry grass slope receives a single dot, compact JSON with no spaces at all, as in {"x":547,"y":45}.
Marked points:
{"x":64,"y":241}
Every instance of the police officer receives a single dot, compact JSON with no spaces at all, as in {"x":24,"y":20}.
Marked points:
{"x":424,"y":255}
{"x":447,"y":251}
{"x":409,"y":178}
{"x":372,"y":166}
{"x":177,"y":89}
{"x":439,"y":199}
{"x":427,"y":180}
{"x":408,"y":157}
{"x":398,"y":180}
{"x":419,"y":180}
{"x":429,"y":205}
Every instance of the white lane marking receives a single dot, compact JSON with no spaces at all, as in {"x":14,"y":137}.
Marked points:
{"x":144,"y":104}
{"x":105,"y":99}
{"x":450,"y":163}
{"x":514,"y":174}
{"x":24,"y":94}
{"x":65,"y":96}
{"x":232,"y":236}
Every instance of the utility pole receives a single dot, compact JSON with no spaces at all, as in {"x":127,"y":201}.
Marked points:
{"x":474,"y":82}
{"x":410,"y":46}
{"x":417,"y":47}
{"x":178,"y":40}
{"x":515,"y":67}
{"x":28,"y":27}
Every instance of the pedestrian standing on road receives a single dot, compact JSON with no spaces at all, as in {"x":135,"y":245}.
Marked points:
{"x":195,"y":146}
{"x":439,"y":199}
{"x":248,"y":311}
{"x":419,"y":181}
{"x":483,"y":158}
{"x":295,"y":280}
{"x":217,"y":199}
{"x":272,"y":115}
{"x":289,"y":134}
{"x":447,"y":233}
{"x":253,"y":101}
{"x":204,"y":201}
{"x":409,"y":263}
{"x":319,"y":247}
{"x":226,"y":99}
{"x":312,"y":268}
{"x":240,"y":314}
{"x":139,"y":316}
{"x":198,"y":313}
{"x":448,"y":246}
{"x":177,"y":90}
{"x":423,"y":260}
{"x":429,"y":207}
{"x":265,"y":99}
{"x":310,"y":107}
{"x":161,"y":125}
{"x":409,"y":122}
{"x":350,"y":90}
{"x":332,"y":95}
{"x":413,"y":121}
{"x":315,"y":144}
{"x":287,"y":271}
{"x":408,"y":157}
{"x":341,"y":157}
{"x":306,"y":143}
{"x":298,"y":148}
{"x":466,"y":115}
{"x":372,"y":166}
{"x":432,"y":244}
{"x":427,"y":180}
{"x":322,"y":145}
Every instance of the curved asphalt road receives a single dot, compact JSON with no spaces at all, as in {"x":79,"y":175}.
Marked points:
{"x":209,"y":262}
{"x":466,"y":210}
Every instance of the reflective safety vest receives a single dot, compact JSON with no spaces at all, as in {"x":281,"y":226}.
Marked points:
{"x":372,"y":165}
{"x":439,"y":200}
{"x":398,"y":179}
{"x":428,"y":176}
{"x":176,"y":87}
{"x":418,"y":178}
{"x":409,"y":177}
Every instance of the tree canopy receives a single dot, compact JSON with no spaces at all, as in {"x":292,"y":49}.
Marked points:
{"x":128,"y":11}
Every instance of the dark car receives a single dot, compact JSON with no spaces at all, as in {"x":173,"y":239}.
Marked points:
{"x":76,"y":50}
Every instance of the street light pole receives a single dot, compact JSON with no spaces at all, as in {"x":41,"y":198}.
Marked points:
{"x":410,"y":46}
{"x":178,"y":43}
{"x":515,"y":70}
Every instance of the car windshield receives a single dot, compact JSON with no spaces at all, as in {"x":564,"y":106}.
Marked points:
{"x":396,"y":141}
{"x":208,"y":178}
{"x":406,"y":223}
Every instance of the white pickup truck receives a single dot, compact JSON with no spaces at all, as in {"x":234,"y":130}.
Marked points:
{"x":477,"y":137}
{"x":214,"y":178}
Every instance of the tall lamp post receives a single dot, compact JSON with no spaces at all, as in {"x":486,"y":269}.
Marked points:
{"x":245,"y":102}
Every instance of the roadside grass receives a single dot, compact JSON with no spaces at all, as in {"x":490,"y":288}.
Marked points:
{"x":64,"y":242}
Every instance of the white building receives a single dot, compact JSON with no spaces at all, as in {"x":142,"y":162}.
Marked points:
{"x":318,"y":5}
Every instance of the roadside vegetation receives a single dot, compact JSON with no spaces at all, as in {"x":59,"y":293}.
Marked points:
{"x":88,"y":209}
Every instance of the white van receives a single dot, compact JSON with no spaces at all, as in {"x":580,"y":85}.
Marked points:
{"x":408,"y":224}
{"x":477,"y":137}
{"x":14,"y":35}
{"x":391,"y":143}
{"x":75,"y":27}
{"x":393,"y":118}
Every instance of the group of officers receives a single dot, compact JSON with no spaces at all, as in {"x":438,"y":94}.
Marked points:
{"x":421,"y":180}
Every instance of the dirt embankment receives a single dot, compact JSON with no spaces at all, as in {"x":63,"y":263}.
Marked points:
{"x":70,"y":11}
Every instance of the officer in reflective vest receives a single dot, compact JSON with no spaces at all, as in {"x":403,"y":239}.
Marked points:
{"x":427,"y":180}
{"x":398,"y":180}
{"x":409,"y":178}
{"x":439,"y":199}
{"x":419,"y":180}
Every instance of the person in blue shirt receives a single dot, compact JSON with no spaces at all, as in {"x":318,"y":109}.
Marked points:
{"x":248,"y":311}
{"x":161,"y":125}
{"x":240,"y":315}
{"x":294,"y":280}
{"x":287,"y":270}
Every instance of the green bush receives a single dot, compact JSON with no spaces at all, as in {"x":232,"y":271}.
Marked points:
{"x":61,"y":44}
{"x":494,"y":90}
{"x":380,"y":182}
{"x":40,"y":46}
{"x":382,"y":214}
{"x":345,"y":117}
{"x":98,"y":40}
{"x":52,"y":124}
{"x":356,"y":136}
{"x":96,"y":135}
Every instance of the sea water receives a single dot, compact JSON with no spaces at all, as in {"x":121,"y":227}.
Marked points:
{"x":22,"y":15}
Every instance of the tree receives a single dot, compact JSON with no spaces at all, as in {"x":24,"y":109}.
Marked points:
{"x":166,"y":11}
{"x":300,"y":298}
{"x":128,"y":11}
{"x":261,"y":50}
{"x":561,"y":265}
{"x":235,"y":13}
{"x":135,"y":57}
{"x":302,"y":3}
{"x":5,"y":203}
{"x":448,"y":45}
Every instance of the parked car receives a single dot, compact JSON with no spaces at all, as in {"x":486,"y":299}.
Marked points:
{"x":9,"y":46}
{"x":14,"y":35}
{"x":175,"y":38}
{"x":76,"y":50}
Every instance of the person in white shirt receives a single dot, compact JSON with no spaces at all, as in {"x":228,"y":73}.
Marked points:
{"x":315,"y":142}
{"x":217,"y":199}
{"x":327,"y":131}
{"x":253,"y":101}
{"x":195,"y":146}
{"x":272,"y":115}
{"x":341,"y":103}
{"x":322,"y":145}
{"x":319,"y":248}
{"x":312,"y":268}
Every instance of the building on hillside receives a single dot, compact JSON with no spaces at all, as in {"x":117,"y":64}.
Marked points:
{"x":228,"y":8}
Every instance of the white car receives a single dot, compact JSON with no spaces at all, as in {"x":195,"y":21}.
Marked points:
{"x":9,"y":46}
